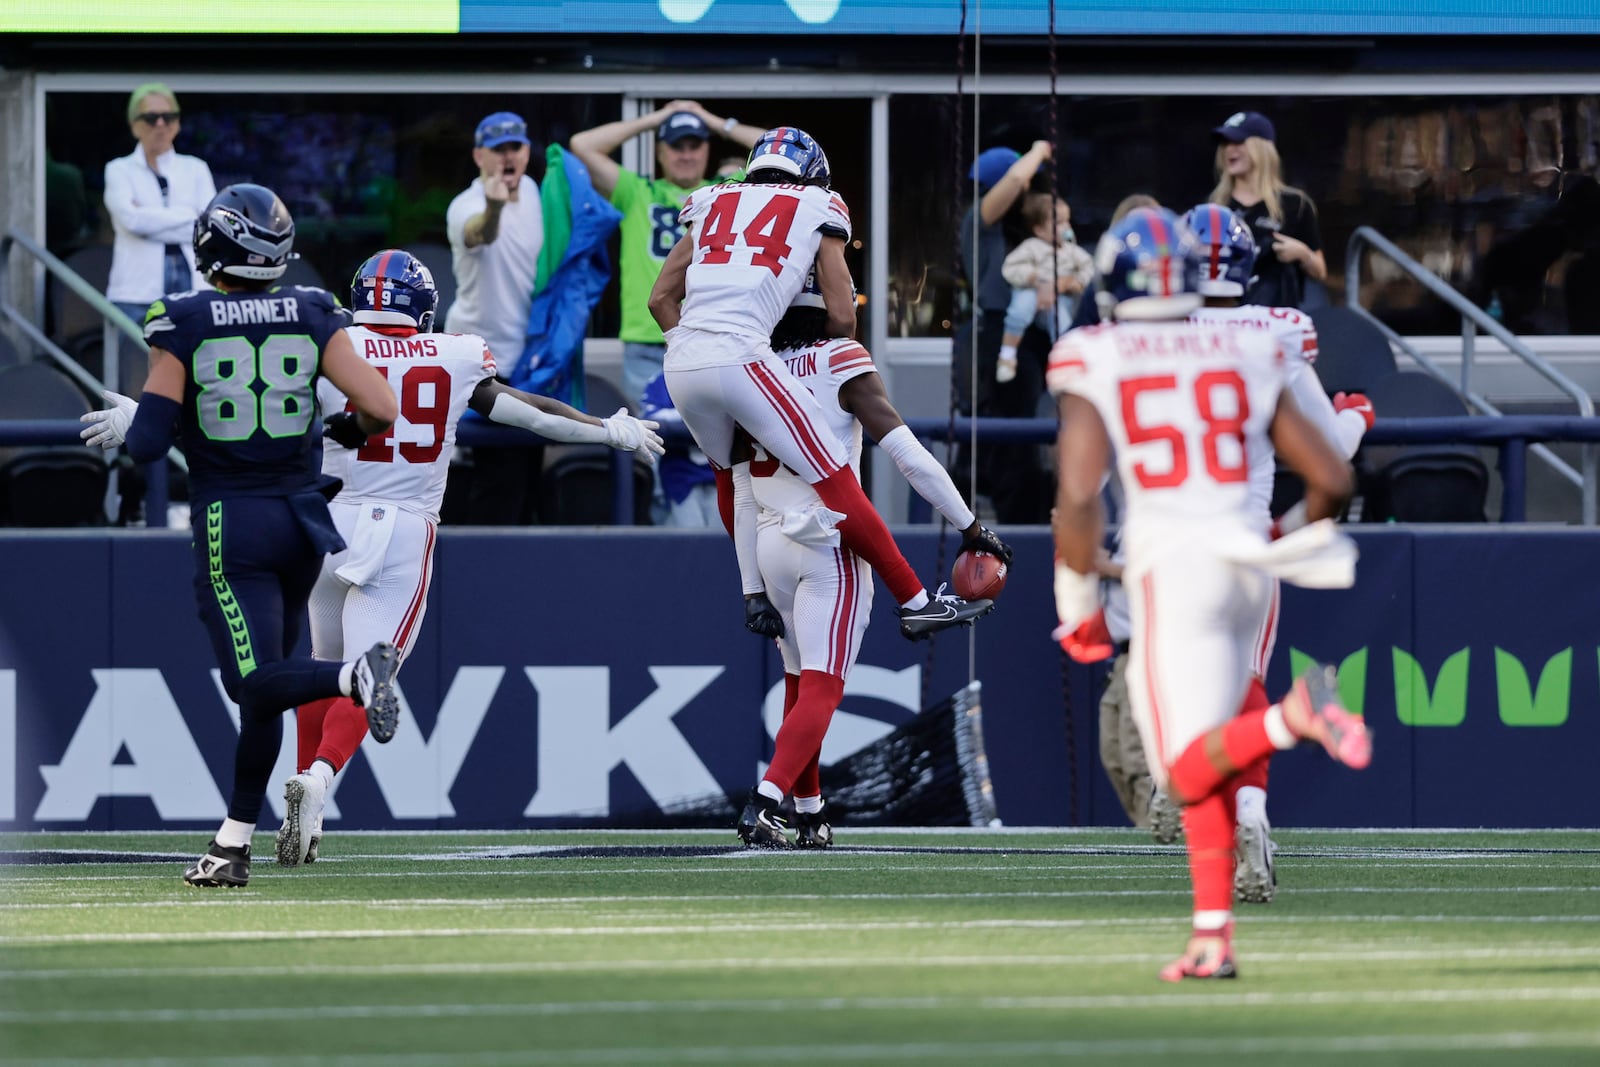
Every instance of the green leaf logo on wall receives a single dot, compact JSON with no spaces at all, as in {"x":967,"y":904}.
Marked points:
{"x":1448,"y":704}
{"x":1520,"y":705}
{"x":1445,"y":704}
{"x":1352,"y":676}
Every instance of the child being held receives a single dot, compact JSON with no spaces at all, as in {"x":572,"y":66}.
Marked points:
{"x":1047,"y":265}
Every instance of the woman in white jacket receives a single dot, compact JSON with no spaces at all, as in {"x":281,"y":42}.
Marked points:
{"x":153,"y":195}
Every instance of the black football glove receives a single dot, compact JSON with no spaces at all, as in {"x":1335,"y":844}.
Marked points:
{"x":985,"y":541}
{"x":344,"y":429}
{"x":760,"y":617}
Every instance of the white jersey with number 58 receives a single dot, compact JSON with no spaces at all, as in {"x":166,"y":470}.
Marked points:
{"x":753,"y":247}
{"x":1187,"y":407}
{"x":433,"y":376}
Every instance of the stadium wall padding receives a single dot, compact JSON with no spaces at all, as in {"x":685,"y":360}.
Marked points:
{"x":587,"y":677}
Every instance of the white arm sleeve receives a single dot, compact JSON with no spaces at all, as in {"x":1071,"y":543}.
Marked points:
{"x":513,"y":412}
{"x":1343,"y":429}
{"x":931,"y":481}
{"x":745,"y":513}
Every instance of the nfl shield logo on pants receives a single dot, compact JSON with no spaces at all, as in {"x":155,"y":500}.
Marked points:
{"x":377,"y":514}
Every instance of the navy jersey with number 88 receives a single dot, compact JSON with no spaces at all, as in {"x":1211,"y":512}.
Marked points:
{"x":252,"y":360}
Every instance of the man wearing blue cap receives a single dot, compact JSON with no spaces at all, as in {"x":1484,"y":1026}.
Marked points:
{"x":1010,"y":475}
{"x":650,"y":207}
{"x":496,"y":231}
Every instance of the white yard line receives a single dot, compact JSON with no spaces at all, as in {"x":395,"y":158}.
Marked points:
{"x":414,"y":903}
{"x":235,"y":1015}
{"x":765,"y":926}
{"x":963,"y":1052}
{"x":1530,"y":952}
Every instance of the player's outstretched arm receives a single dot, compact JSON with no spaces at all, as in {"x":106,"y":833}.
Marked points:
{"x":155,"y":420}
{"x":555,"y":421}
{"x":1327,"y":475}
{"x":865,"y":397}
{"x":376,"y":407}
{"x":672,"y":284}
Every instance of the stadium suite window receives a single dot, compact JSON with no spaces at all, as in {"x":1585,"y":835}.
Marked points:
{"x":359,"y":171}
{"x":1496,"y":194}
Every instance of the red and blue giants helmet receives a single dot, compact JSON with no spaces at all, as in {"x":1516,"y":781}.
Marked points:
{"x":1147,"y":267}
{"x":792,"y":151}
{"x":1227,"y":250}
{"x":394,"y":288}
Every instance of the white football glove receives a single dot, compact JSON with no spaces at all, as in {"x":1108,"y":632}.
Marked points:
{"x":108,"y":427}
{"x":634,"y":435}
{"x":1077,"y":597}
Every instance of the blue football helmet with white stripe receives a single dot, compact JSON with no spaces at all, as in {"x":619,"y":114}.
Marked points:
{"x":394,"y":288}
{"x":1147,"y":267}
{"x":1227,"y":250}
{"x":793,"y":152}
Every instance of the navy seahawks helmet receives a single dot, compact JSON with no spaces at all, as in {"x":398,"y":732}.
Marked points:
{"x":1227,"y":250}
{"x":792,"y":151}
{"x":245,"y":232}
{"x":394,"y":288}
{"x":1147,"y":267}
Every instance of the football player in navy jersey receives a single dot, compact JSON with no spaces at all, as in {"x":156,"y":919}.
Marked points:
{"x":232,"y":382}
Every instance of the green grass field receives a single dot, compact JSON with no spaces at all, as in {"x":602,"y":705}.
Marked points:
{"x":667,"y":948}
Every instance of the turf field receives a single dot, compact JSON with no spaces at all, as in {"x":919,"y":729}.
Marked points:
{"x":665,"y":948}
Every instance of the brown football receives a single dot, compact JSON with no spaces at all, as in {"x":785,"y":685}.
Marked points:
{"x":978,"y":575}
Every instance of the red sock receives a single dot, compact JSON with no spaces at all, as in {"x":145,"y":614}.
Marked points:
{"x":800,"y":737}
{"x":342,"y":732}
{"x":1218,"y":756}
{"x":864,"y":533}
{"x":808,"y":783}
{"x":725,"y":497}
{"x":308,"y":730}
{"x":1255,"y":699}
{"x":1208,"y":836}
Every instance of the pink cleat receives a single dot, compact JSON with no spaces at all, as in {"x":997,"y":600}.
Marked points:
{"x":1209,"y":955}
{"x":1313,"y":711}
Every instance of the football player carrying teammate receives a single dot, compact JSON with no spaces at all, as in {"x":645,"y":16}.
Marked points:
{"x":388,"y":510}
{"x":1185,"y":407}
{"x":818,"y":590}
{"x":1227,"y":261}
{"x":722,"y":290}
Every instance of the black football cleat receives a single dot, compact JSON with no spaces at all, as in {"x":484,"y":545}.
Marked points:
{"x":942,"y":611}
{"x":762,"y":825}
{"x":812,"y":830}
{"x":220,"y":868}
{"x":374,"y":689}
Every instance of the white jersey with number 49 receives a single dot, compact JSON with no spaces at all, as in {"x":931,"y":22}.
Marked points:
{"x":1187,"y":407}
{"x":433,"y":376}
{"x":753,"y":247}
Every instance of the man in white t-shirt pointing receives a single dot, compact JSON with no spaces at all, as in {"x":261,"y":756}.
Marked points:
{"x":496,"y":229}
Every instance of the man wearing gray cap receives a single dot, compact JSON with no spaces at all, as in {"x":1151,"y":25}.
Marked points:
{"x":649,"y":209}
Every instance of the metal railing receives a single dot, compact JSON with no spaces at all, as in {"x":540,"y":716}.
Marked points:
{"x":1512,"y":435}
{"x":116,"y":325}
{"x":1473,"y":319}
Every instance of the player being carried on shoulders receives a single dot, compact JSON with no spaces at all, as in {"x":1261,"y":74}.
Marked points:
{"x":388,"y":508}
{"x":749,"y":248}
{"x":1186,"y":407}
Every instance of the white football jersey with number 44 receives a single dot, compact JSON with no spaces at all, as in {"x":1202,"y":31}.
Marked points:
{"x":753,"y":247}
{"x":433,"y":376}
{"x":1187,"y":407}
